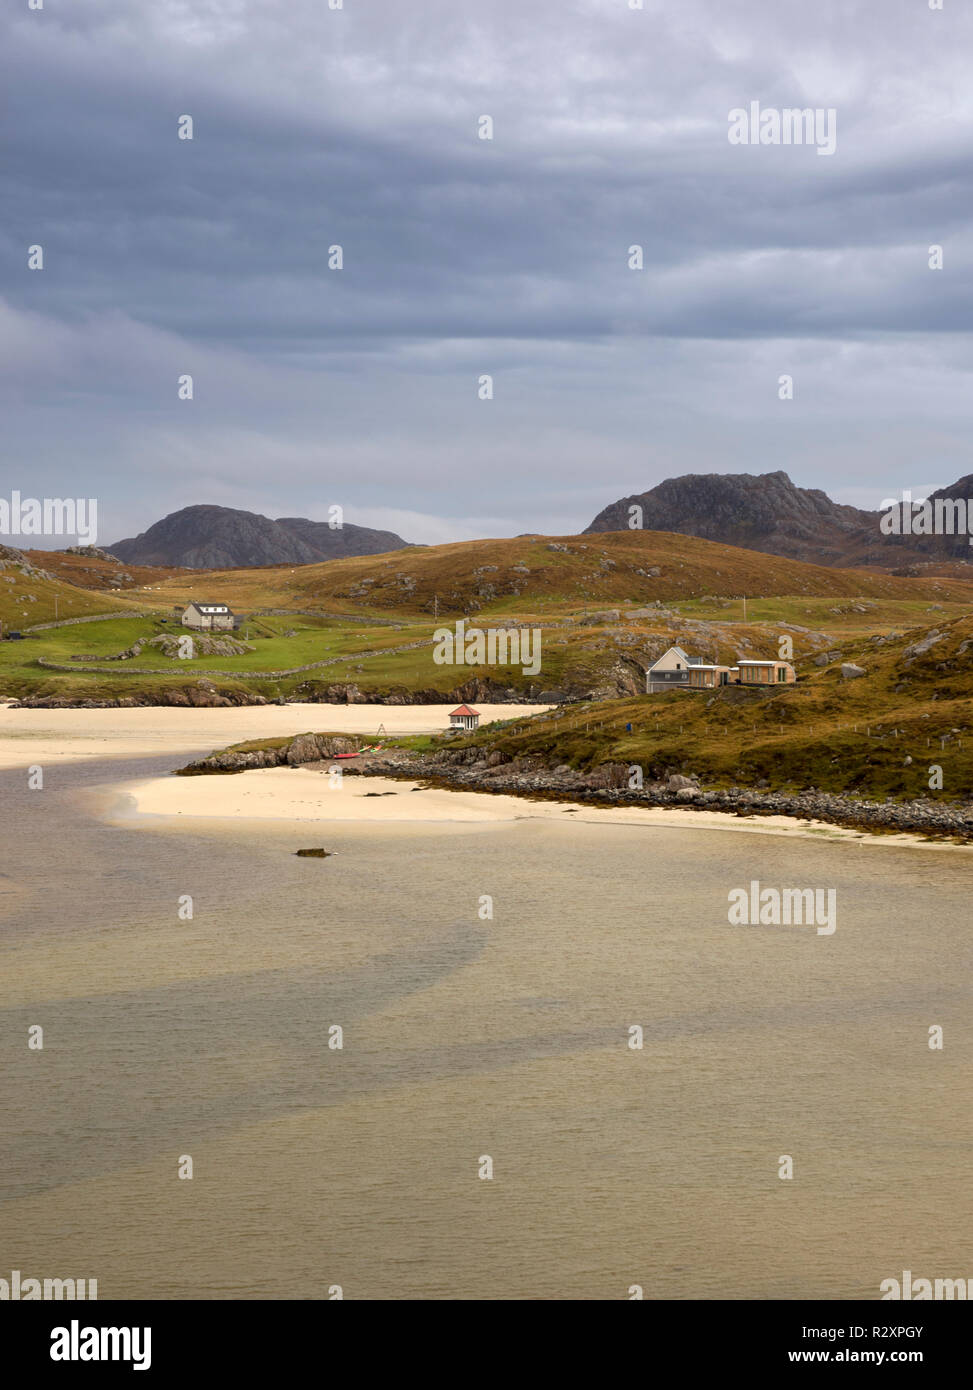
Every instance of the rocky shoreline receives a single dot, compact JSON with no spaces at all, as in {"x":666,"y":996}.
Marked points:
{"x":202,"y":695}
{"x":949,"y":820}
{"x":205,"y":694}
{"x":467,"y":769}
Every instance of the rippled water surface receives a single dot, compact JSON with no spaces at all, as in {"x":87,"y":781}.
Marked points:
{"x":464,"y":1037}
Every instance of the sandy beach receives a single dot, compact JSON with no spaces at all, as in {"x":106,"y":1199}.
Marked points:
{"x":306,"y":795}
{"x":71,"y":735}
{"x":303,"y":794}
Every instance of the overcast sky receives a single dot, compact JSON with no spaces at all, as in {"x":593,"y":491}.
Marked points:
{"x":462,"y":256}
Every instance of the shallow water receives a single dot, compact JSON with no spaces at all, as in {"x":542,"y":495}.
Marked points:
{"x":463,"y":1038}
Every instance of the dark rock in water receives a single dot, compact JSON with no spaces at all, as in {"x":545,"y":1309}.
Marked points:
{"x":314,"y":853}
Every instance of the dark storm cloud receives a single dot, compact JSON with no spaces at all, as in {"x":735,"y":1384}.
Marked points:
{"x":463,"y":256}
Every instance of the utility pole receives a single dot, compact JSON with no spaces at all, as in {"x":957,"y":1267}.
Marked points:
{"x":744,"y":608}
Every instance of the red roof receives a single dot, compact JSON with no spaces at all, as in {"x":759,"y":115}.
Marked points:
{"x":464,"y":709}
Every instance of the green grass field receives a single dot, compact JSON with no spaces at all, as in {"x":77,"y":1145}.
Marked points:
{"x":583,"y":653}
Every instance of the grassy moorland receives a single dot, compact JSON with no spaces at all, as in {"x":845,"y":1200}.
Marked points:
{"x":606,"y":605}
{"x":877,"y":735}
{"x":542,"y":575}
{"x":105,"y":576}
{"x":593,"y":654}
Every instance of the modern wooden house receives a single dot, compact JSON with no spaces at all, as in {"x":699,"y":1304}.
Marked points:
{"x":675,"y":670}
{"x":767,"y":673}
{"x":705,"y":677}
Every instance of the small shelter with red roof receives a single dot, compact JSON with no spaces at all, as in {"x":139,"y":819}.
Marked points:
{"x":463,"y":717}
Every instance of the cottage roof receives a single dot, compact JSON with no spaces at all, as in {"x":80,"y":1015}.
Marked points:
{"x":678,"y":651}
{"x":210,"y":607}
{"x":464,"y":709}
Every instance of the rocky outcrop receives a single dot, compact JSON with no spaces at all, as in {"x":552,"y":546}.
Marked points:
{"x":924,"y":645}
{"x":171,"y":647}
{"x":9,"y":555}
{"x":91,"y":552}
{"x":305,"y":748}
{"x":478,"y":688}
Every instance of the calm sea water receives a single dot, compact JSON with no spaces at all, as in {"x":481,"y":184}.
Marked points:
{"x":465,"y":1038}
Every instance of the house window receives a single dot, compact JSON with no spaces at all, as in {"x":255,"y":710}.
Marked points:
{"x":781,"y":675}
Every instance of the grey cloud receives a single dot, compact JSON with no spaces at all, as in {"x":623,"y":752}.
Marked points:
{"x":462,"y":256}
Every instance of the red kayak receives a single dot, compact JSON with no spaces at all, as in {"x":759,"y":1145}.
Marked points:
{"x":376,"y":749}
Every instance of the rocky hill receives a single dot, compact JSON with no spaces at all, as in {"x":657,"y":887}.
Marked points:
{"x":207,"y":537}
{"x":767,"y":512}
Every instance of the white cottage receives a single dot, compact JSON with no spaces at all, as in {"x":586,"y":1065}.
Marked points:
{"x":209,"y":617}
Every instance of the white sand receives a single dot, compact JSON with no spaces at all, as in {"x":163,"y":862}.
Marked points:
{"x":304,"y":794}
{"x":49,"y":736}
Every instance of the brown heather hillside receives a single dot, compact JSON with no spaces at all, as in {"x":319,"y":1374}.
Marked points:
{"x":546,"y":574}
{"x":877,"y":735}
{"x":32,"y":593}
{"x":92,"y":572}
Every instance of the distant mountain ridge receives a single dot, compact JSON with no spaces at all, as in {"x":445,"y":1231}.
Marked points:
{"x":210,"y":537}
{"x":768,"y":513}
